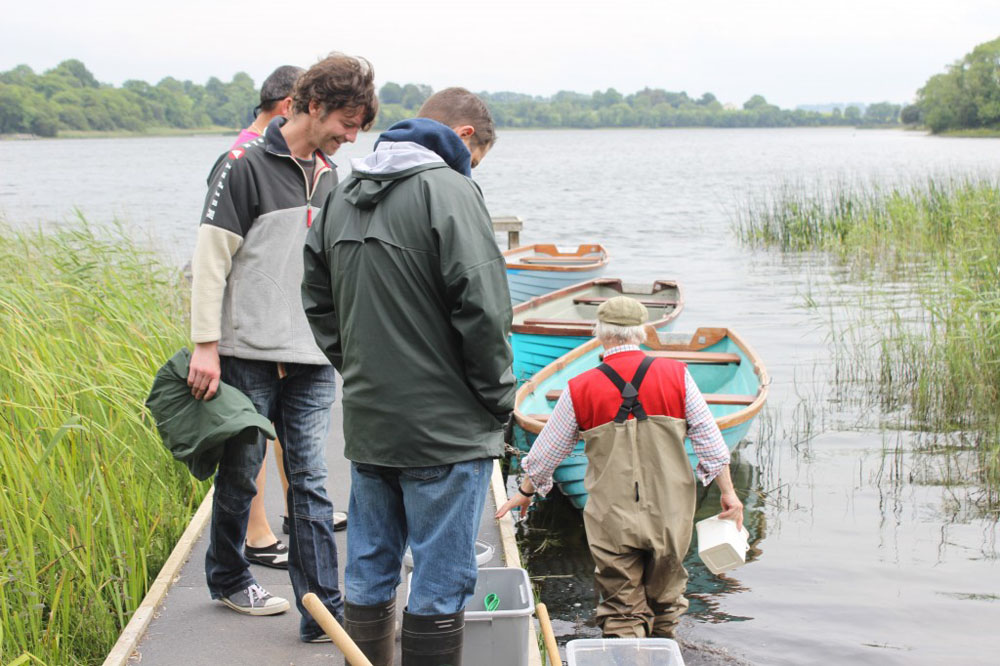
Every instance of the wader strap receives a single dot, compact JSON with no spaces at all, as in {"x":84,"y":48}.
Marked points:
{"x":629,"y":390}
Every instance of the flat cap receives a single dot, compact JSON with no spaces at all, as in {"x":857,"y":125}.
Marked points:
{"x":623,"y":311}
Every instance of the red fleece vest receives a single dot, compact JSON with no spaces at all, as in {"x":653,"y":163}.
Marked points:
{"x":596,"y":400}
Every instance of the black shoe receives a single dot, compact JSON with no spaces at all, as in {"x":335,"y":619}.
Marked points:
{"x":274,"y":556}
{"x":339,"y":522}
{"x":433,"y":640}
{"x":373,"y":629}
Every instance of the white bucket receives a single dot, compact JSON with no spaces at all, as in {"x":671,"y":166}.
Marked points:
{"x":484,"y":553}
{"x":720,"y":545}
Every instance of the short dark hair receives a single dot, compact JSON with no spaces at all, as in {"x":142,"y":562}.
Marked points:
{"x":278,"y":85}
{"x":457,"y":106}
{"x":338,"y":81}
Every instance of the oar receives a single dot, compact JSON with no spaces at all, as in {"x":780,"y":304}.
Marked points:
{"x":353,"y":654}
{"x":551,"y":648}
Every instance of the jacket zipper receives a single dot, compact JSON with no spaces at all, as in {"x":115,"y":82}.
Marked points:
{"x":310,"y":187}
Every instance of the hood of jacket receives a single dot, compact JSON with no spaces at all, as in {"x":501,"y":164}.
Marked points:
{"x":406,"y":148}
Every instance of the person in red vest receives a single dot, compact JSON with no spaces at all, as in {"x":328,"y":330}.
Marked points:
{"x":633,"y":413}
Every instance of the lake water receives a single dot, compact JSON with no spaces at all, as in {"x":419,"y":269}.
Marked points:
{"x":861,"y":553}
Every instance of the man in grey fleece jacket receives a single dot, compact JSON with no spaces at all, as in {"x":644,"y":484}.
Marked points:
{"x":250,"y":331}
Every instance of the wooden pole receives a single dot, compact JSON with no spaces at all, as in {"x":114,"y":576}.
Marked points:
{"x":551,"y":647}
{"x":352,"y":653}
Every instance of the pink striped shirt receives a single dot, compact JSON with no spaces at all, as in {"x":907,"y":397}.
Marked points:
{"x":561,"y":433}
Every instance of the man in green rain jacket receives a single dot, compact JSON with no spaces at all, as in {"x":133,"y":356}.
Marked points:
{"x":406,"y":293}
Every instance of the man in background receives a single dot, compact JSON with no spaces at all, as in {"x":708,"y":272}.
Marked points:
{"x":250,"y":331}
{"x":406,"y":293}
{"x":275,"y":100}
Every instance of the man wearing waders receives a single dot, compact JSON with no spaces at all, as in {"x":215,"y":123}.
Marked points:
{"x":633,"y":413}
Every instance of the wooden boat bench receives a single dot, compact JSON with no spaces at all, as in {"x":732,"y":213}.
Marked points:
{"x":597,"y":300}
{"x":710,"y":398}
{"x":553,"y":260}
{"x":544,"y":321}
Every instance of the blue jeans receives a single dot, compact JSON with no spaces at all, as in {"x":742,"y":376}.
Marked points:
{"x":299,"y":405}
{"x":437,"y":510}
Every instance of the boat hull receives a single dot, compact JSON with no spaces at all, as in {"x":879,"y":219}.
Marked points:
{"x":526,"y":284}
{"x":548,"y":326}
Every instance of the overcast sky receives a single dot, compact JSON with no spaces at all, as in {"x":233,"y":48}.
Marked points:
{"x":791,"y":51}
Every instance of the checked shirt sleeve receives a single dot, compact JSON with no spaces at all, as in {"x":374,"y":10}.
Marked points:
{"x":553,"y":445}
{"x":711,"y":449}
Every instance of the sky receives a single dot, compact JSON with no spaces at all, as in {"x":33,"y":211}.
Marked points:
{"x":790,"y":51}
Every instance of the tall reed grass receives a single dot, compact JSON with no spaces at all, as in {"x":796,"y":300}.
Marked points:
{"x":941,"y":238}
{"x":90,"y":501}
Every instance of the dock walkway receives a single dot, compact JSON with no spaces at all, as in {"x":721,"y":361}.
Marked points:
{"x":190,"y":629}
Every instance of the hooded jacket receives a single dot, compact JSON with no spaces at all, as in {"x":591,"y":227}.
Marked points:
{"x":196,"y":431}
{"x":406,"y":292}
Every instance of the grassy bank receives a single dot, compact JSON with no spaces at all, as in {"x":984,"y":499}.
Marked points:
{"x":941,"y":240}
{"x":90,"y":502}
{"x":979,"y":133}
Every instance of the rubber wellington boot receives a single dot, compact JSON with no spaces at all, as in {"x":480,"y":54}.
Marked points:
{"x":433,"y":640}
{"x":373,"y":628}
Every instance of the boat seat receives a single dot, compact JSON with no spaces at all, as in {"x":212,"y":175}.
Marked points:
{"x":553,"y":260}
{"x":710,"y":398}
{"x":597,"y":300}
{"x":544,"y":321}
{"x":697,"y":356}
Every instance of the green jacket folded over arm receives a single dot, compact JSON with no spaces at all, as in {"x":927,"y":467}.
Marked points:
{"x":196,"y":431}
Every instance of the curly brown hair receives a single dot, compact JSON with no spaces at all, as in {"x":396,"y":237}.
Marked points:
{"x":338,"y":81}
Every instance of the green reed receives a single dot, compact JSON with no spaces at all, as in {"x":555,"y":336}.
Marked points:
{"x":941,"y":238}
{"x":90,"y":502}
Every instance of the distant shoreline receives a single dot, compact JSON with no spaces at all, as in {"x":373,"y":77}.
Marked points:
{"x":216,"y":130}
{"x":125,"y":134}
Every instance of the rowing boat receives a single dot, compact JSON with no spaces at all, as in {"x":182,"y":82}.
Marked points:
{"x":546,"y":327}
{"x":533,"y":270}
{"x":726,"y":369}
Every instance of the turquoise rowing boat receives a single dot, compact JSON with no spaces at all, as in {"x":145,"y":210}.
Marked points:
{"x":546,"y":327}
{"x":533,"y":270}
{"x":724,"y":367}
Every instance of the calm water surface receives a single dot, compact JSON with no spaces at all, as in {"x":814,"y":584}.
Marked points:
{"x":868,"y":547}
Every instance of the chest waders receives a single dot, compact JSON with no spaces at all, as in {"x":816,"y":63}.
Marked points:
{"x":639,"y":515}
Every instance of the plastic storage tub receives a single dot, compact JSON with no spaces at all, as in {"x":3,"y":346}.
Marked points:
{"x":624,"y":652}
{"x":720,"y":545}
{"x":499,"y":637}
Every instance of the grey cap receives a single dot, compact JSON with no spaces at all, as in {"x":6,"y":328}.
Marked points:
{"x":622,"y":311}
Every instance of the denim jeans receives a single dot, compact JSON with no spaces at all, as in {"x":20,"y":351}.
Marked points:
{"x":299,"y":405}
{"x":437,"y":511}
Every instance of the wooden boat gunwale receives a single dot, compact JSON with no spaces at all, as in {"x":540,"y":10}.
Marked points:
{"x":710,"y":335}
{"x":551,"y":250}
{"x":586,"y":328}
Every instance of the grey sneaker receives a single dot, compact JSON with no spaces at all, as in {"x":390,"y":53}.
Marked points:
{"x":255,"y":600}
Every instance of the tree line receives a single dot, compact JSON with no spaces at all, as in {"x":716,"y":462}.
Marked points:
{"x":69,"y":97}
{"x":966,"y":96}
{"x":650,"y":107}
